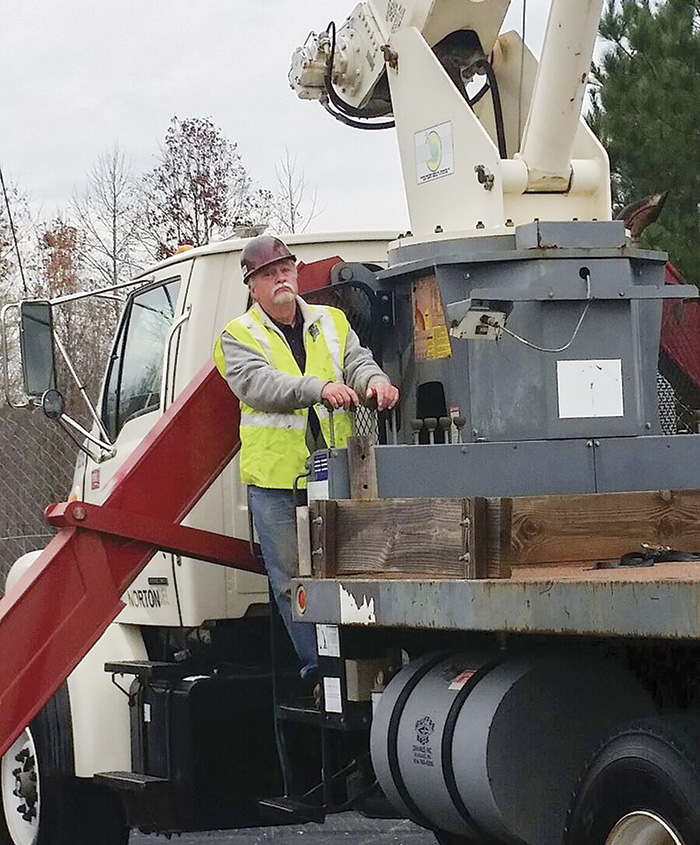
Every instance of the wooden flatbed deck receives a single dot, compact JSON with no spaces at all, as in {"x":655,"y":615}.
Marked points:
{"x":521,"y":564}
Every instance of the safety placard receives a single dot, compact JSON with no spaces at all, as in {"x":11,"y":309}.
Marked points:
{"x":435,"y":155}
{"x":431,"y":339}
{"x":332,"y":695}
{"x":328,"y":640}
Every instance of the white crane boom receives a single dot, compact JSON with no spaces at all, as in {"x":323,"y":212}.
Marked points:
{"x":469,"y":163}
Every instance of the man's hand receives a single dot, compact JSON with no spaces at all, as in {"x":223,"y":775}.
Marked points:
{"x":339,"y":395}
{"x":385,"y":393}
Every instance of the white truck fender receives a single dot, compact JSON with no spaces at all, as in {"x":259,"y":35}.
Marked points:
{"x":19,"y":567}
{"x":99,"y":710}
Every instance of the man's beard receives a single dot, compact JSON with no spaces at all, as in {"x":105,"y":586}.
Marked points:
{"x":283,"y":295}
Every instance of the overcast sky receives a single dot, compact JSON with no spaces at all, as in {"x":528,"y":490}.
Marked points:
{"x":76,"y":76}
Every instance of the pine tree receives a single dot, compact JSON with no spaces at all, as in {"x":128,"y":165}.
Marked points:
{"x":646,"y":110}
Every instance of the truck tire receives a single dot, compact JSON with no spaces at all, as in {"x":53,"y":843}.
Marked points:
{"x":43,"y":803}
{"x":641,"y":788}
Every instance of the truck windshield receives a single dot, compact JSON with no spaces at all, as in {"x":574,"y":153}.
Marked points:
{"x":135,"y":370}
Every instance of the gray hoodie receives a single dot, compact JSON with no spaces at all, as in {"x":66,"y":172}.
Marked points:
{"x":260,"y":385}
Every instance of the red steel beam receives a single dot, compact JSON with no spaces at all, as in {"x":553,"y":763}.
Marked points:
{"x":166,"y":536}
{"x":61,"y":606}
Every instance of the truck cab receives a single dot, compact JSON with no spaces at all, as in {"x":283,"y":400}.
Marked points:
{"x":178,"y":611}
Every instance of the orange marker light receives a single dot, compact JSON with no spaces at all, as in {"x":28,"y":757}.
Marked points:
{"x":301,"y":599}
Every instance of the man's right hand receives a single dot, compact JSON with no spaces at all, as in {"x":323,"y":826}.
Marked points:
{"x":339,"y":395}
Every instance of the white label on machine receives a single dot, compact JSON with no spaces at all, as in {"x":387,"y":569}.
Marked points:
{"x":590,"y":389}
{"x":434,"y":153}
{"x":332,"y":697}
{"x":328,"y":640}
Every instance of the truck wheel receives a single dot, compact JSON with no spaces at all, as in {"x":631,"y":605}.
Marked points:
{"x":641,"y":788}
{"x":42,"y":804}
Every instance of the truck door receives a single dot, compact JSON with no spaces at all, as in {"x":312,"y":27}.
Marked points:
{"x":131,"y":403}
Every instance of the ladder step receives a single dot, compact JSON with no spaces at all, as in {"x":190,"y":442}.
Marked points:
{"x":293,"y":810}
{"x":147,"y":669}
{"x":133,"y":782}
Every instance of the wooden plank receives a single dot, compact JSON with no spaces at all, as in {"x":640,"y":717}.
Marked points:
{"x":322,"y":514}
{"x":362,"y":465}
{"x":549,"y":530}
{"x":416,"y":536}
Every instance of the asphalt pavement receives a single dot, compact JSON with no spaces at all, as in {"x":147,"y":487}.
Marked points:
{"x":347,"y":828}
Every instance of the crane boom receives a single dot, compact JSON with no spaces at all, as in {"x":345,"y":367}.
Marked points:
{"x":470,"y":162}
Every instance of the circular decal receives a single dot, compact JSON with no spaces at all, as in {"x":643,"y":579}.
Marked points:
{"x":433,"y":145}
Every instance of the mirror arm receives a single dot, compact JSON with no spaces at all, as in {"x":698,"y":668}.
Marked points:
{"x":106,"y":447}
{"x":182,"y":319}
{"x":74,"y":297}
{"x":5,"y":358}
{"x":93,"y":412}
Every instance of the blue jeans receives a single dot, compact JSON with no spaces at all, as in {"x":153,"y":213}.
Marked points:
{"x":274,"y":518}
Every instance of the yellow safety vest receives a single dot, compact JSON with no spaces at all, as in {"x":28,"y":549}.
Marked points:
{"x":273,"y":445}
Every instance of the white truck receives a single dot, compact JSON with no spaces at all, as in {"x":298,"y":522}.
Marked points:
{"x":499,"y":662}
{"x":177,"y":605}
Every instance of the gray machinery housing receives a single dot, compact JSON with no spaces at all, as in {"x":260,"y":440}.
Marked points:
{"x":570,"y":407}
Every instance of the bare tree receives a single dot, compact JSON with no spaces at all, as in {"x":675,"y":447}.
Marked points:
{"x":108,"y":213}
{"x":15,"y":235}
{"x":200,"y":188}
{"x":292,"y":208}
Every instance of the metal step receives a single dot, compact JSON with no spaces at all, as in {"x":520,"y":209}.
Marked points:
{"x":133,"y":782}
{"x":151,"y":670}
{"x":292,"y":810}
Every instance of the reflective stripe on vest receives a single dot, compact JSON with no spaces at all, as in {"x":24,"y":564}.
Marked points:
{"x":273,"y":445}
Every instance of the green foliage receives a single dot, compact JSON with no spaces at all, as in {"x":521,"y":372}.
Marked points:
{"x":646,"y":110}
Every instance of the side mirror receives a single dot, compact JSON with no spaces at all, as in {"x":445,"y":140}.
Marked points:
{"x":52,"y":404}
{"x":36,"y":344}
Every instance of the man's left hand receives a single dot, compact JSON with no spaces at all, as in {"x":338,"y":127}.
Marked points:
{"x":385,"y":393}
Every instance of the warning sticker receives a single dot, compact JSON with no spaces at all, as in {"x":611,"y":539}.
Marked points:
{"x":328,"y":640}
{"x":431,"y":339}
{"x":332,"y":696}
{"x":460,"y":680}
{"x":434,"y":153}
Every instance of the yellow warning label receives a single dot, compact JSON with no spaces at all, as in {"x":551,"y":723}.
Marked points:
{"x":431,"y":339}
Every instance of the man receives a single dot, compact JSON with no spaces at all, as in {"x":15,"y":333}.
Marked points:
{"x":284,"y":359}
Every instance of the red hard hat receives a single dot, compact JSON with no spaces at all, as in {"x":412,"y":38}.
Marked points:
{"x":261,"y":251}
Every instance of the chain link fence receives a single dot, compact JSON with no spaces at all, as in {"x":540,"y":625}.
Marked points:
{"x":37,"y":461}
